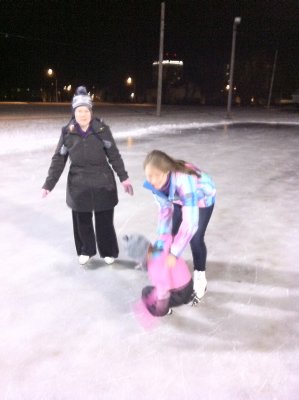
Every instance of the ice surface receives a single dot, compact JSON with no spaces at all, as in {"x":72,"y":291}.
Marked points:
{"x":72,"y":334}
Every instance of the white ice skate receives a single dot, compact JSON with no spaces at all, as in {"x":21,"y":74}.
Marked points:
{"x":109,"y":260}
{"x":83,"y":259}
{"x":200,"y":283}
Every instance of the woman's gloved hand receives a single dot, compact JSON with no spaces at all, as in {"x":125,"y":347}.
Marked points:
{"x":44,"y":193}
{"x":128,"y":187}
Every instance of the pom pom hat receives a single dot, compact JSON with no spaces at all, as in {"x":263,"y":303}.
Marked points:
{"x":136,"y":246}
{"x":81,"y":98}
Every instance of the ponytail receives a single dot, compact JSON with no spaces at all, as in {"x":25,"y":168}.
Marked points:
{"x":165,"y":163}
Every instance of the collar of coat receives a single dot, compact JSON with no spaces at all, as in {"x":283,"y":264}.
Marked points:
{"x":172,"y":188}
{"x":97,"y":125}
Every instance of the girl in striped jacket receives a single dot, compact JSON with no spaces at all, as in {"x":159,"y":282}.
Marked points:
{"x":186,"y":197}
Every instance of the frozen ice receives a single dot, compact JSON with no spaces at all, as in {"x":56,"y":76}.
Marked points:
{"x":70,"y":333}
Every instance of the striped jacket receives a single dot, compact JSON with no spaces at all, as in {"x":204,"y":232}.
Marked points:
{"x":192,"y":193}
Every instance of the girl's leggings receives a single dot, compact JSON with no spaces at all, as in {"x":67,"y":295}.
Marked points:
{"x":197,"y":243}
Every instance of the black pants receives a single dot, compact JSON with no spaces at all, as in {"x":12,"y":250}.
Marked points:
{"x":197,"y":243}
{"x":104,"y":234}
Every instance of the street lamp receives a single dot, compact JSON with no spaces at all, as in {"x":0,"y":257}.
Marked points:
{"x":50,"y":73}
{"x":237,"y":21}
{"x":131,"y":83}
{"x":67,"y":88}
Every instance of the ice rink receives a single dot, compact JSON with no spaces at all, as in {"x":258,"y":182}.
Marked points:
{"x":68,"y":333}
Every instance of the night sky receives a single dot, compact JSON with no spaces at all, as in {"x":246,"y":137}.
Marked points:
{"x":101,"y":42}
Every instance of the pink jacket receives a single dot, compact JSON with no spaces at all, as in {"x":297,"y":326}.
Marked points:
{"x":166,"y":278}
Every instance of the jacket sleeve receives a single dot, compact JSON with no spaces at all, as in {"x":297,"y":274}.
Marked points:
{"x":57,"y":166}
{"x":189,"y":198}
{"x":164,"y":215}
{"x":113,"y":153}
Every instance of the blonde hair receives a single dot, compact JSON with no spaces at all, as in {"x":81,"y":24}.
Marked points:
{"x":165,"y":163}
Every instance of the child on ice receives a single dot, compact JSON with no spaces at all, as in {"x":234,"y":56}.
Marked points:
{"x":185,"y":196}
{"x":171,"y":286}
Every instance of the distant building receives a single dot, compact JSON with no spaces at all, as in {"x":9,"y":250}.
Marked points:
{"x":172,"y":72}
{"x":176,"y":89}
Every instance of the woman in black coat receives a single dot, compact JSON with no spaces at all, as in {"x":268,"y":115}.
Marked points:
{"x":91,"y":186}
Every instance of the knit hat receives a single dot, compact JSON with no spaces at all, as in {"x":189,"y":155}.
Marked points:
{"x":136,"y":247}
{"x":81,"y":98}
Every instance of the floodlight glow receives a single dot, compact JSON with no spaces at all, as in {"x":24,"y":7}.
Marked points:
{"x":169,"y":62}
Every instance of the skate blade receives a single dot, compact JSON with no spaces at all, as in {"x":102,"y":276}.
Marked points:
{"x":195,"y":300}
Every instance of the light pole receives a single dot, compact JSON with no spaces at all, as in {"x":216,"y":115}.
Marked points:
{"x":50,"y":73}
{"x":272,"y":79}
{"x":160,"y":68}
{"x":237,"y":21}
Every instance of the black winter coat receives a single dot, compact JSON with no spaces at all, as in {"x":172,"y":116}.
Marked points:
{"x":91,"y":184}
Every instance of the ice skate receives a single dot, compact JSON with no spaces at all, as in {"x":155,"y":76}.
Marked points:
{"x":200,"y":283}
{"x":194,"y":300}
{"x":109,"y":260}
{"x":83,"y":259}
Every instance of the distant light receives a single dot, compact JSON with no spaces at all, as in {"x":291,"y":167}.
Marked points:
{"x":227,"y":87}
{"x":130,"y":141}
{"x":132,"y":95}
{"x":129,"y":81}
{"x":252,"y":100}
{"x":169,"y":62}
{"x":50,"y":72}
{"x":91,"y":95}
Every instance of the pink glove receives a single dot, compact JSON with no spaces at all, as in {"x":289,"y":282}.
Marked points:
{"x":44,"y":193}
{"x":128,"y":187}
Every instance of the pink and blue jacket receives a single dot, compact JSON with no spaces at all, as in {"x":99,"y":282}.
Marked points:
{"x":189,"y":191}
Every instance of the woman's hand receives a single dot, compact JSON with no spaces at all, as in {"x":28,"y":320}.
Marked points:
{"x":128,"y":187}
{"x":44,"y":193}
{"x":170,"y":260}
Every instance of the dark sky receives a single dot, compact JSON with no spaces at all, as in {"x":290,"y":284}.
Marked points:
{"x":100,"y":42}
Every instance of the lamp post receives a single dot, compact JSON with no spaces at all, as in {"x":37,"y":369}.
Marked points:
{"x":50,"y":73}
{"x":160,"y":68}
{"x":237,"y":21}
{"x":272,"y":79}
